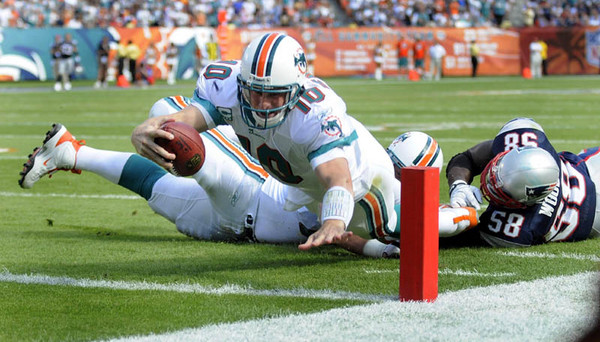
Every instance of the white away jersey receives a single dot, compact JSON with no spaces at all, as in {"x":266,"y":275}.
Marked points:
{"x":316,"y":130}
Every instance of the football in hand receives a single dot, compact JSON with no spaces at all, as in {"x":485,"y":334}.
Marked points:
{"x":187,"y":147}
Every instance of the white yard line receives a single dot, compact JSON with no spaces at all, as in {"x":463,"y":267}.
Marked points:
{"x":551,"y":309}
{"x":574,"y":256}
{"x":77,"y":196}
{"x":7,"y":276}
{"x":447,"y":271}
{"x":41,"y":136}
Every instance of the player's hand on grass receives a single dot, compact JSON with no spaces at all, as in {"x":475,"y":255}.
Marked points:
{"x":143,"y":137}
{"x":332,"y":231}
{"x":465,"y":195}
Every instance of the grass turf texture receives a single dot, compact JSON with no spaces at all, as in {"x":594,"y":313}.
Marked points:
{"x":121,"y":239}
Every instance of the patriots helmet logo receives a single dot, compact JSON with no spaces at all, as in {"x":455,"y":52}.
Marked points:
{"x":539,"y":191}
{"x":300,"y":61}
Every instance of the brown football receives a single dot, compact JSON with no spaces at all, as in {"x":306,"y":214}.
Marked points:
{"x":187,"y":147}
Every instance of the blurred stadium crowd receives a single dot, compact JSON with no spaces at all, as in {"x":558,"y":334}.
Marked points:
{"x":306,"y":13}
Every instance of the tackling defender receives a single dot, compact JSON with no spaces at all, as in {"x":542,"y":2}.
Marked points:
{"x":535,"y":194}
{"x":298,"y":129}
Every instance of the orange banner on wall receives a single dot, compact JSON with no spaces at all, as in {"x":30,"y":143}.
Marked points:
{"x":349,"y":51}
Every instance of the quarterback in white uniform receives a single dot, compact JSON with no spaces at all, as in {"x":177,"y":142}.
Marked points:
{"x":242,"y":203}
{"x":298,"y":129}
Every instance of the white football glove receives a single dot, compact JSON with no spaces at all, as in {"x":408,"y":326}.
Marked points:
{"x":465,"y":195}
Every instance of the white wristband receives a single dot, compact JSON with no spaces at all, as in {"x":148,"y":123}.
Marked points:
{"x":338,"y":204}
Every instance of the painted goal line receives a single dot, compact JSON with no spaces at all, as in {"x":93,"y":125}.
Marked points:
{"x":550,"y":309}
{"x":230,"y":289}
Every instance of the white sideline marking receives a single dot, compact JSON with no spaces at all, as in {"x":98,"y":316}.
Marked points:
{"x":476,"y":273}
{"x":7,"y":276}
{"x":551,"y":309}
{"x":39,"y":195}
{"x":445,"y":271}
{"x":593,"y":258}
{"x":530,"y":92}
{"x":85,"y":137}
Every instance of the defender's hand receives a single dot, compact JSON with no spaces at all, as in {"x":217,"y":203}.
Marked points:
{"x":465,"y":195}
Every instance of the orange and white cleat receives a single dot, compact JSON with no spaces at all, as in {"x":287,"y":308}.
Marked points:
{"x":58,"y":152}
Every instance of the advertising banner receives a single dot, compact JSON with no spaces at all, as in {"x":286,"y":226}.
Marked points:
{"x":570,"y":50}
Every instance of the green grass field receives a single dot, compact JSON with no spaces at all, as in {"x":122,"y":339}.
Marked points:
{"x":82,"y":228}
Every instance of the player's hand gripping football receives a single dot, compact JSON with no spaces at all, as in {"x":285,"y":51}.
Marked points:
{"x":465,"y":195}
{"x":143,"y":137}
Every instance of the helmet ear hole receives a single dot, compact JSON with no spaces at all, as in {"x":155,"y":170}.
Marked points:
{"x":520,"y":177}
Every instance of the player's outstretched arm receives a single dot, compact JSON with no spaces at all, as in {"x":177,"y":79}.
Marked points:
{"x":144,"y":134}
{"x":337,"y":206}
{"x":460,"y":172}
{"x":371,"y":248}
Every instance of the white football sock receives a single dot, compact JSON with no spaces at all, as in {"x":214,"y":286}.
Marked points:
{"x":108,"y":164}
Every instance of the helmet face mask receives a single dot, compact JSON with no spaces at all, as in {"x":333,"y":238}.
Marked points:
{"x":266,"y":106}
{"x":520,"y":177}
{"x":271,"y":79}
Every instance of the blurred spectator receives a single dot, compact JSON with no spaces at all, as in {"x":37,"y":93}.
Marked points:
{"x":297,"y":13}
{"x":544,"y":56}
{"x":133,"y":53}
{"x":419,"y":55}
{"x":378,"y":58}
{"x":213,"y":52}
{"x":499,"y":10}
{"x":474,"y":51}
{"x":403,"y":50}
{"x":55,"y":54}
{"x":594,"y":18}
{"x":102,"y":54}
{"x":150,"y":57}
{"x":535,"y":58}
{"x":121,"y":57}
{"x":66,"y":63}
{"x":171,"y":57}
{"x":145,"y":75}
{"x":436,"y":55}
{"x":310,"y":50}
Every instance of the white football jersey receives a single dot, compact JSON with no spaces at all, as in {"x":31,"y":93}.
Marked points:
{"x":316,"y":130}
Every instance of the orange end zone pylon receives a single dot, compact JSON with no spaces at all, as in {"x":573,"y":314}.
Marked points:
{"x":419,"y":244}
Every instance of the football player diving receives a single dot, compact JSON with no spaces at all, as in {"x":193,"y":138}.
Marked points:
{"x":206,"y":211}
{"x":298,"y":129}
{"x":242,"y":204}
{"x":535,"y":194}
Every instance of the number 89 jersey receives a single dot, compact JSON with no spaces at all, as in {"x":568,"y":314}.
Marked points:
{"x":566,"y":214}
